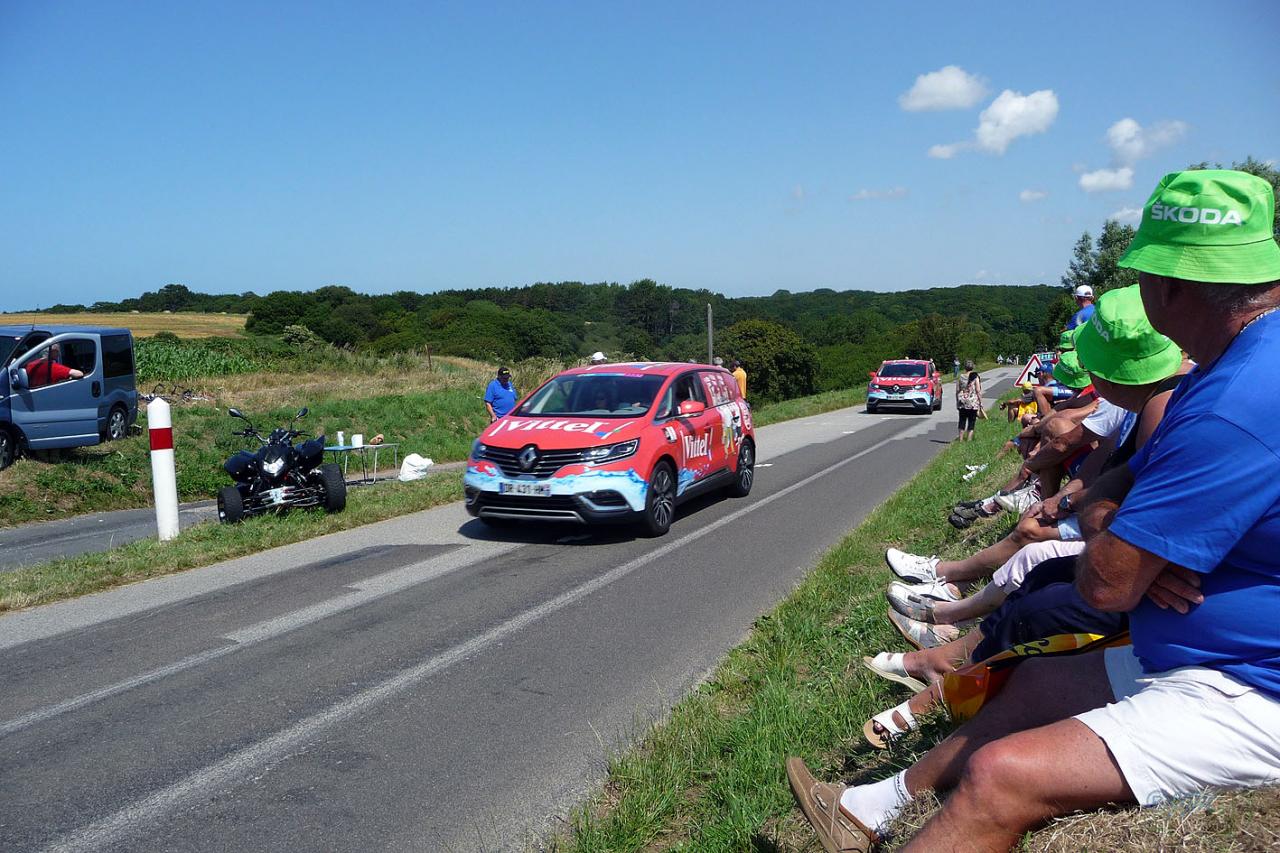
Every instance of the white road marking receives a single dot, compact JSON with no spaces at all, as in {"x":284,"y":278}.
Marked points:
{"x":230,"y":770}
{"x":362,"y":592}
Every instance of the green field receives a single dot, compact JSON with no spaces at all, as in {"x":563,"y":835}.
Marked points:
{"x":183,"y":324}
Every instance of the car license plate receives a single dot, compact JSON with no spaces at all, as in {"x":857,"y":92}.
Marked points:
{"x":897,"y":396}
{"x":276,"y":495}
{"x":538,"y":490}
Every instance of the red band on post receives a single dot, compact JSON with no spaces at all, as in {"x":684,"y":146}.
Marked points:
{"x":162,"y":438}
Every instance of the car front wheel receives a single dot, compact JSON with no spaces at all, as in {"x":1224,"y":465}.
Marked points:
{"x":660,"y":502}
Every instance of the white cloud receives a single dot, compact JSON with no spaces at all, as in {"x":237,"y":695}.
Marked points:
{"x":1031,"y":195}
{"x":869,"y":195}
{"x":1131,"y":142}
{"x":949,"y":88}
{"x":1128,"y":215}
{"x":1014,"y":114}
{"x":1107,"y":180}
{"x":946,"y":152}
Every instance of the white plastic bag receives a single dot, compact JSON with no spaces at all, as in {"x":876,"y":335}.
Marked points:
{"x":414,"y":467}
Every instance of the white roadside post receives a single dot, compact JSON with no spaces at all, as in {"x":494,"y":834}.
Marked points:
{"x":164,"y":477}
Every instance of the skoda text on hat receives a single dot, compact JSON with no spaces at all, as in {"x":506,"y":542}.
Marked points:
{"x":1210,"y":225}
{"x":1119,"y":344}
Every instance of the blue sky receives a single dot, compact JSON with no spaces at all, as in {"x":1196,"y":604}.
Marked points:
{"x":739,"y":147}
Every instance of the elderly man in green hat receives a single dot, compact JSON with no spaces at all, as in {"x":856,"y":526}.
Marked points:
{"x":1179,"y":538}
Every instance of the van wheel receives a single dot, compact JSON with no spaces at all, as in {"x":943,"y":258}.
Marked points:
{"x":746,"y":473}
{"x":230,"y":505}
{"x":7,"y":448}
{"x":333,"y":487}
{"x":117,"y":424}
{"x":660,"y":502}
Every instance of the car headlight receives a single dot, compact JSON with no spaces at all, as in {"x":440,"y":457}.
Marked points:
{"x":477,"y":449}
{"x":274,"y":466}
{"x":611,"y":452}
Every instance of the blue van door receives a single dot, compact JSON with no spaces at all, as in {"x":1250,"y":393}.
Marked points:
{"x":57,"y":406}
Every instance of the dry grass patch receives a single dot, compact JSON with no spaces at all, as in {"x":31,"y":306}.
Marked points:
{"x":184,"y":325}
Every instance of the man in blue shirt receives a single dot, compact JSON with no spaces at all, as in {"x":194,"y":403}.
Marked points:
{"x":1184,"y":538}
{"x":500,"y":397}
{"x":1084,"y":299}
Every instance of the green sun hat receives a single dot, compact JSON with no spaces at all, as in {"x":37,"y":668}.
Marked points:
{"x":1069,"y":373}
{"x":1211,"y":225}
{"x":1119,"y":345}
{"x":1067,"y":340}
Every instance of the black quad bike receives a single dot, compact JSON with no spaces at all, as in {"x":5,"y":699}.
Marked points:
{"x":280,"y":476}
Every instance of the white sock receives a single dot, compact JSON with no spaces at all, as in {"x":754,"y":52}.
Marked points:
{"x":877,"y":804}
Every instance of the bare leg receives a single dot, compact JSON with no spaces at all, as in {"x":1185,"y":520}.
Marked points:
{"x":1039,"y":692}
{"x":933,"y":664}
{"x":987,"y":600}
{"x":981,"y":564}
{"x":1018,"y":782}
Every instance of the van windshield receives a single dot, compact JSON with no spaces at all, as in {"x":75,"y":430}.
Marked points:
{"x":896,"y":370}
{"x":595,"y":394}
{"x":7,"y":346}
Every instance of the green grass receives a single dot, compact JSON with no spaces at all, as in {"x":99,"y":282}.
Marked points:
{"x":803,"y":407}
{"x":710,"y":777}
{"x":205,"y":544}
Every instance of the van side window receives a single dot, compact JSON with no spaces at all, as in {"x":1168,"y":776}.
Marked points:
{"x":80,"y":354}
{"x":117,"y":356}
{"x":54,"y":363}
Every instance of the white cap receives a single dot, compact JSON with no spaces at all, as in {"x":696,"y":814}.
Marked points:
{"x":1083,"y":291}
{"x":597,"y":357}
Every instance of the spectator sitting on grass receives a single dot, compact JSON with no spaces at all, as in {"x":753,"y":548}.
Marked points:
{"x":1194,"y":703}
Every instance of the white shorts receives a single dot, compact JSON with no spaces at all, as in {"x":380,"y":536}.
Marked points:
{"x":1180,"y":732}
{"x":1010,"y":576}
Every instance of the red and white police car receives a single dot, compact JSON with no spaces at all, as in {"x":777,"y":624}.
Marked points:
{"x":614,"y":442}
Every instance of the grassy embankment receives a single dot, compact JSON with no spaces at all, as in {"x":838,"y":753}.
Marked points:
{"x":709,"y":777}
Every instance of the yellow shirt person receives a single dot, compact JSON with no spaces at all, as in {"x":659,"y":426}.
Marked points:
{"x":740,"y":375}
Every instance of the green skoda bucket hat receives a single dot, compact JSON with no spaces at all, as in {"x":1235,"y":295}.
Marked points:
{"x":1211,"y":225}
{"x":1068,"y":371}
{"x":1118,"y":343}
{"x":1067,"y":340}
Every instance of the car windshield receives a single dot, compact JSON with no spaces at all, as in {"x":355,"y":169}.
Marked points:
{"x":895,"y":370}
{"x":7,"y":345}
{"x":600,"y":395}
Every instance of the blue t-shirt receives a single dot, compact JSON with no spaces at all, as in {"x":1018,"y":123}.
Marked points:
{"x":1207,"y":497}
{"x":502,"y":399}
{"x":1080,"y":317}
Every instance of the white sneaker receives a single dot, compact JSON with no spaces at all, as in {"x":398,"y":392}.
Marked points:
{"x":939,"y":590}
{"x":1018,"y":501}
{"x":912,"y":567}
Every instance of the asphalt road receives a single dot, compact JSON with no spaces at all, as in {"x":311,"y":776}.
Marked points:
{"x":419,"y":684}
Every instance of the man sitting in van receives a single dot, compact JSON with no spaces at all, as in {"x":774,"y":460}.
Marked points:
{"x":50,"y":369}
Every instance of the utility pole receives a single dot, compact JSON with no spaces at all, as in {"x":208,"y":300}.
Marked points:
{"x":710,"y":337}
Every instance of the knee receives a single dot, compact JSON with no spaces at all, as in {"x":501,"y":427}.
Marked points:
{"x":996,"y":776}
{"x":1028,"y":530}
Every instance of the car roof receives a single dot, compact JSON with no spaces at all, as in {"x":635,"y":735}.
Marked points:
{"x":905,"y":361}
{"x":18,"y":331}
{"x":640,"y":368}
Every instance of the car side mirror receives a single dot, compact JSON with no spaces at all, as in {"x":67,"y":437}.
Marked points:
{"x":235,"y":413}
{"x":871,"y":373}
{"x":689,"y":408}
{"x":18,"y":378}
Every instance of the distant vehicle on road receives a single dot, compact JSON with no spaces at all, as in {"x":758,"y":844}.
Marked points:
{"x":905,"y":384}
{"x":64,"y":386}
{"x":277,"y":475}
{"x":614,"y":442}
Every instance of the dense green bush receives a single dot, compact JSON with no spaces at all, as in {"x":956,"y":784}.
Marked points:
{"x":779,"y":364}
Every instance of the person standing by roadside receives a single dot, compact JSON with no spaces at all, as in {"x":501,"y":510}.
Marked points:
{"x":1084,"y":298}
{"x":500,"y":397}
{"x":955,"y":367}
{"x":740,"y":375}
{"x":969,"y":402}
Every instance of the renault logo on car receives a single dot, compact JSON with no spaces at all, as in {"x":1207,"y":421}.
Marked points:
{"x":528,"y":458}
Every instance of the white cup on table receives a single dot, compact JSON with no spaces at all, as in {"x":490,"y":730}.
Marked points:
{"x":357,"y":440}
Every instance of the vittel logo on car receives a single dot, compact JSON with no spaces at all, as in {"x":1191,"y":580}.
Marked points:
{"x":1192,"y":215}
{"x":510,"y":424}
{"x":697,"y":445}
